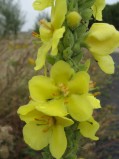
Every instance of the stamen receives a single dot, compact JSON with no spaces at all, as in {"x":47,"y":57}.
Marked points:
{"x":66,"y":101}
{"x":64,"y":89}
{"x":36,"y":35}
{"x":50,"y":123}
{"x":44,"y":23}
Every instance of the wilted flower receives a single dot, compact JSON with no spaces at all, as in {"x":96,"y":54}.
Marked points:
{"x":102,"y":40}
{"x":41,"y":129}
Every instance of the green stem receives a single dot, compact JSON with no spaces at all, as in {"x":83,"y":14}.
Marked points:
{"x":73,"y":137}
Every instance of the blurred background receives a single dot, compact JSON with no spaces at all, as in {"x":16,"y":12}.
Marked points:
{"x":18,"y":49}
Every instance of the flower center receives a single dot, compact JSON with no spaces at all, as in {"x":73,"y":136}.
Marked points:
{"x":50,"y":123}
{"x":46,"y":120}
{"x":64,"y":89}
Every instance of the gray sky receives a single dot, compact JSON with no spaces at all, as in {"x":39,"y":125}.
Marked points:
{"x":31,"y":14}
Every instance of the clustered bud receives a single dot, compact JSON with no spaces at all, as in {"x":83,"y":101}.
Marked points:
{"x":73,"y":19}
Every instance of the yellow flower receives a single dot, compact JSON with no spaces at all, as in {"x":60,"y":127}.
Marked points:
{"x":41,"y":129}
{"x":97,"y":9}
{"x":51,"y":32}
{"x":89,"y":128}
{"x":64,"y":91}
{"x":102,"y":40}
{"x":42,"y":4}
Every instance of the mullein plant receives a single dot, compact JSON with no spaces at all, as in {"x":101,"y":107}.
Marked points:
{"x":61,"y":104}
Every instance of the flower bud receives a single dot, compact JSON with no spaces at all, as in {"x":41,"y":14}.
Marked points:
{"x":73,"y":19}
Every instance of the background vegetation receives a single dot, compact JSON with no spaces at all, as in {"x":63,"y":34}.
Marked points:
{"x":111,"y":15}
{"x":11,"y":17}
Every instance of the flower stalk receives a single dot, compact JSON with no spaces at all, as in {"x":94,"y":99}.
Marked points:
{"x":61,"y":103}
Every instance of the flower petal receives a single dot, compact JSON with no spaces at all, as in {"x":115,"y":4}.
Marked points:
{"x":35,"y":136}
{"x":61,"y":72}
{"x":79,"y":107}
{"x":28,"y":112}
{"x":79,"y":83}
{"x":42,"y":52}
{"x":45,"y":33}
{"x":53,"y":108}
{"x":58,"y":142}
{"x":23,"y":110}
{"x":102,"y":42}
{"x":57,"y":35}
{"x":42,"y":4}
{"x":106,"y":63}
{"x":93,"y":101}
{"x":31,"y":116}
{"x":58,"y":16}
{"x":42,"y":88}
{"x":97,"y":9}
{"x":64,"y":121}
{"x":89,"y":128}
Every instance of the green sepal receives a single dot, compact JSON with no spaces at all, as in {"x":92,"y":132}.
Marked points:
{"x":60,"y":47}
{"x":78,"y":57}
{"x":51,"y":59}
{"x":86,"y":14}
{"x":68,"y":40}
{"x":84,"y":4}
{"x":76,"y":48}
{"x":72,"y":5}
{"x":67,"y":53}
{"x":80,"y":31}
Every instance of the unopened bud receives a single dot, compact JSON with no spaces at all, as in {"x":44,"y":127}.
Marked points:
{"x":73,"y":19}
